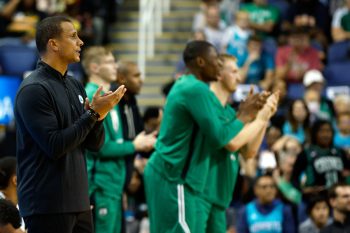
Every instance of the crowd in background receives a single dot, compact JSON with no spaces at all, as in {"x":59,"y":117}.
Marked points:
{"x":298,"y":47}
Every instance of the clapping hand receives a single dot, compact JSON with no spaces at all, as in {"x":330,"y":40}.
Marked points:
{"x":102,"y":104}
{"x":249,"y":108}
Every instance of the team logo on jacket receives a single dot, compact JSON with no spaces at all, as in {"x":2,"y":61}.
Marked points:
{"x":81,"y":99}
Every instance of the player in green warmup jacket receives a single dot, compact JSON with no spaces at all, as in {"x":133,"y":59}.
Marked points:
{"x":194,"y":124}
{"x":224,"y":164}
{"x":106,"y":168}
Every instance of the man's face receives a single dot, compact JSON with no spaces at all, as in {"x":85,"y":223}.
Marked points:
{"x":133,"y":80}
{"x":213,"y":16}
{"x":341,"y":202}
{"x":107,"y":69}
{"x":69,"y":43}
{"x":299,"y":41}
{"x":265,"y":190}
{"x":317,"y":86}
{"x":230,"y":76}
{"x":212,"y":65}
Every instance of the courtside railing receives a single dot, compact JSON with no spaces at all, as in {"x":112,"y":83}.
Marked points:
{"x":150,"y":26}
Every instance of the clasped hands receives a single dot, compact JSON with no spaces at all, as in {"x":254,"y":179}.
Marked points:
{"x":260,"y":106}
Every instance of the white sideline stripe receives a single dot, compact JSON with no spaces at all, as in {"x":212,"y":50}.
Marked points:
{"x":181,"y":207}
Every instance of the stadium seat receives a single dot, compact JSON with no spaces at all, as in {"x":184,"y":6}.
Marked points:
{"x":295,"y":90}
{"x":338,"y":52}
{"x":17,"y":59}
{"x":337,"y":74}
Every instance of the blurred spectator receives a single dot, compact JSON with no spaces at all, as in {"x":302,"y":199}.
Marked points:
{"x":287,"y":145}
{"x":298,"y":120}
{"x":318,"y":211}
{"x":284,"y":101}
{"x":257,"y":66}
{"x":7,"y":140}
{"x":309,"y":13}
{"x":322,"y":163}
{"x":236,"y":36}
{"x":342,"y":133}
{"x":136,"y":204}
{"x":267,"y":157}
{"x":8,"y":179}
{"x":199,"y":19}
{"x":213,"y":30}
{"x":152,"y":119}
{"x":266,"y":213}
{"x":338,"y":33}
{"x":293,"y":60}
{"x":7,"y":11}
{"x":341,"y":104}
{"x":52,"y":7}
{"x":339,"y":198}
{"x":9,"y":217}
{"x":101,"y":14}
{"x":287,"y":149}
{"x":318,"y":105}
{"x":24,"y":20}
{"x":8,"y":183}
{"x":263,"y":17}
{"x":273,"y":134}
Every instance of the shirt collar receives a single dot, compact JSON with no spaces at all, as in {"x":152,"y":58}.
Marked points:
{"x":51,"y":70}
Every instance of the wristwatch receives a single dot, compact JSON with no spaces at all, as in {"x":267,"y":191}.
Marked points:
{"x":93,"y":114}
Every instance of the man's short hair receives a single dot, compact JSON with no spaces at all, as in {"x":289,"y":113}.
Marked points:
{"x":93,"y":54}
{"x":332,"y":192}
{"x":124,"y":66}
{"x":49,"y":28}
{"x":227,"y":57}
{"x":195,"y":49}
{"x":9,"y":214}
{"x":298,"y":30}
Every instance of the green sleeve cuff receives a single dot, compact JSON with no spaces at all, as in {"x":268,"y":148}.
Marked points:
{"x":129,"y":147}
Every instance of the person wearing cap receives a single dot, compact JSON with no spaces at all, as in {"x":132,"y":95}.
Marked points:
{"x":319,"y":106}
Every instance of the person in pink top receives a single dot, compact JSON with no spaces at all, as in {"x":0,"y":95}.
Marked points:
{"x":294,"y":59}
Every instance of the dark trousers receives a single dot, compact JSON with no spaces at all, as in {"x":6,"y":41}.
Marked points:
{"x":60,"y":223}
